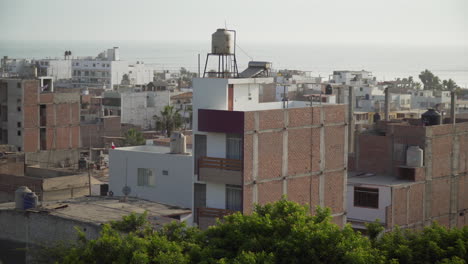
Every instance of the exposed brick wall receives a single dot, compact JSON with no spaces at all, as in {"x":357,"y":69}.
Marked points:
{"x":270,"y":191}
{"x":440,"y":203}
{"x":334,"y":191}
{"x":334,"y":147}
{"x":315,"y":195}
{"x":303,"y":157}
{"x":400,"y":206}
{"x":247,"y":200}
{"x":270,"y":153}
{"x":248,"y":158}
{"x":249,"y":121}
{"x":271,"y":119}
{"x":463,"y":192}
{"x":30,"y":92}
{"x":441,"y":156}
{"x":299,"y":190}
{"x":300,"y":151}
{"x":31,"y":116}
{"x":373,"y":153}
{"x":416,"y":197}
{"x":30,"y":139}
{"x":334,"y":114}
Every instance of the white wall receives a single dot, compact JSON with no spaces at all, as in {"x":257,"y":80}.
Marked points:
{"x":208,"y":93}
{"x":369,"y":214}
{"x":216,"y":145}
{"x":246,"y":96}
{"x":118,"y":69}
{"x":216,"y":195}
{"x":173,"y":189}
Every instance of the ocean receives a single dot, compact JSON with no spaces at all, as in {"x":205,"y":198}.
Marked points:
{"x":387,"y":62}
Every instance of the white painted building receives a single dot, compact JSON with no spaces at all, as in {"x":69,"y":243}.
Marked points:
{"x":140,"y":73}
{"x":136,"y":108}
{"x":59,"y":69}
{"x":423,"y":99}
{"x":152,"y":173}
{"x":354,"y":78}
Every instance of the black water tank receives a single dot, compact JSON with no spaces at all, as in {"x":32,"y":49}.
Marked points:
{"x":328,"y":89}
{"x":431,"y":118}
{"x":376,"y":117}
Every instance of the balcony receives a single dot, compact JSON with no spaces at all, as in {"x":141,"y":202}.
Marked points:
{"x":219,"y":170}
{"x":207,"y":216}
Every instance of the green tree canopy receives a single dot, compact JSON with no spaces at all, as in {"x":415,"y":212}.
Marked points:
{"x":282,"y":232}
{"x":168,"y":120}
{"x":430,"y":81}
{"x":134,"y":137}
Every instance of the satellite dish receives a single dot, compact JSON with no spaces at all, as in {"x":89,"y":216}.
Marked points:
{"x":126,"y":190}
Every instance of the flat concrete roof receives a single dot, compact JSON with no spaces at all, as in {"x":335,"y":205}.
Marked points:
{"x":355,"y":178}
{"x":153,"y":149}
{"x":103,"y":209}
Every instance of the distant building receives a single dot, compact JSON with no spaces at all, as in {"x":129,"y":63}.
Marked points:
{"x":136,"y":107}
{"x":37,"y":119}
{"x":409,"y":175}
{"x":353,"y":78}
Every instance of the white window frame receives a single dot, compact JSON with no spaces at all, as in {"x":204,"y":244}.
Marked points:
{"x":146,"y":177}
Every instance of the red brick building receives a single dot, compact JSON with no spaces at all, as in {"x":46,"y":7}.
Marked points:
{"x":248,"y":152}
{"x":35,"y":118}
{"x":387,"y":186}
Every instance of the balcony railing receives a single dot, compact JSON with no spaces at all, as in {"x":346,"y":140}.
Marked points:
{"x":219,"y":170}
{"x":207,"y":216}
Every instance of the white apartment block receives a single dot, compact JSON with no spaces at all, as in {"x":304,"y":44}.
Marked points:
{"x":136,"y":108}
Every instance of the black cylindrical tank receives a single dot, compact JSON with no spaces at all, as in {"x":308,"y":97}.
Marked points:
{"x":431,"y":118}
{"x":328,"y":89}
{"x":376,"y":117}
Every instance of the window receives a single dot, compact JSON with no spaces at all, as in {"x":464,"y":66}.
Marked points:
{"x":18,"y":108}
{"x":18,"y":133}
{"x":366,"y":197}
{"x":94,"y":64}
{"x":360,"y":89}
{"x":86,"y":73}
{"x":146,"y":177}
{"x":18,"y":85}
{"x":233,"y":197}
{"x":18,"y":124}
{"x":165,"y":172}
{"x":19,"y":149}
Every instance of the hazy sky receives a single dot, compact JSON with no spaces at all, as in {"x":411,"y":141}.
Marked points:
{"x":413,"y":22}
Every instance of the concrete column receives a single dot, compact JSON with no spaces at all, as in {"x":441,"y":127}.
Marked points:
{"x":351,"y":123}
{"x":285,"y":152}
{"x":255,"y":158}
{"x":322,"y":178}
{"x":387,"y":105}
{"x":453,"y":101}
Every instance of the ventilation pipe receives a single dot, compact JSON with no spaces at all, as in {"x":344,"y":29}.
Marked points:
{"x":387,"y":104}
{"x":453,"y":101}
{"x":351,"y":125}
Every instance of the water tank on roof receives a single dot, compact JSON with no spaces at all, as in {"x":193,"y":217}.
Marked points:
{"x":19,"y":196}
{"x":222,"y":42}
{"x":178,"y":143}
{"x":414,"y":156}
{"x":431,"y":118}
{"x":30,"y":200}
{"x":328,"y":89}
{"x":377,"y":117}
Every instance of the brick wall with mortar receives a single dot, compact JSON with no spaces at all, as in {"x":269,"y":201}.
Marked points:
{"x":62,"y":119}
{"x":299,"y":152}
{"x":439,"y":194}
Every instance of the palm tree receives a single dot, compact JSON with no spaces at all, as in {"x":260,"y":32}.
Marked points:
{"x":169,"y":120}
{"x":134,"y":137}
